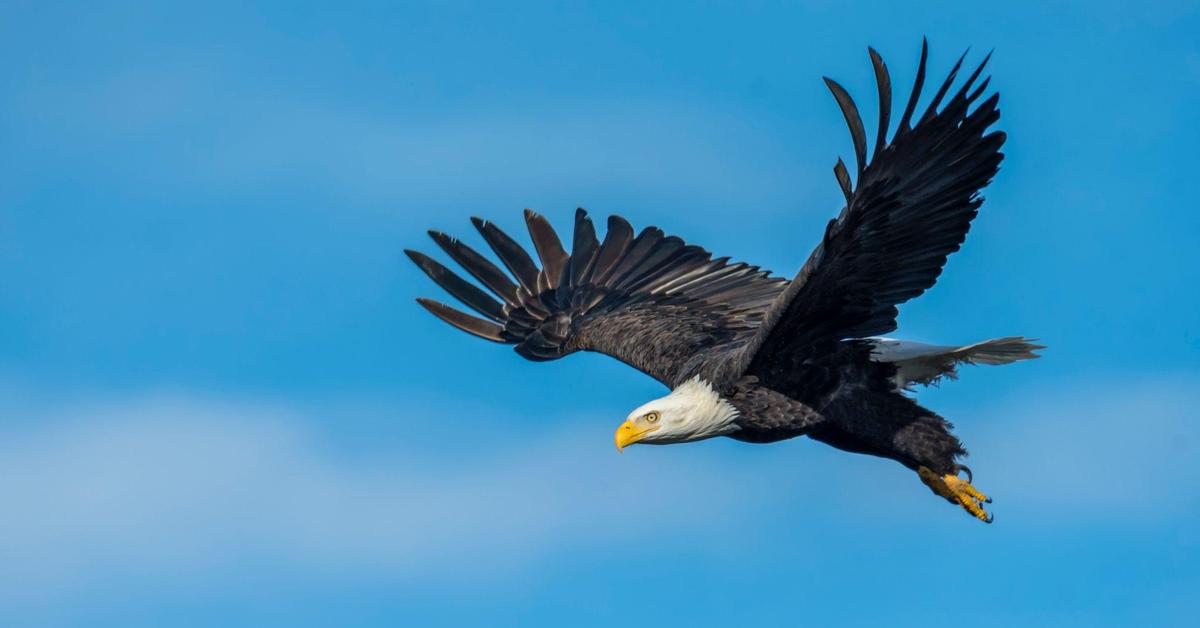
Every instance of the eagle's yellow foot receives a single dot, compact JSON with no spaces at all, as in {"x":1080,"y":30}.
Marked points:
{"x":957,"y":491}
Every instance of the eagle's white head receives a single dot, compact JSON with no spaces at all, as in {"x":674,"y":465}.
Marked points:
{"x":693,"y":411}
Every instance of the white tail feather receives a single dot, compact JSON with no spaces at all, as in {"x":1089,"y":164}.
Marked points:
{"x":919,"y":363}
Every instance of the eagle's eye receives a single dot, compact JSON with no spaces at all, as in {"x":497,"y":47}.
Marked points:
{"x":651,"y":417}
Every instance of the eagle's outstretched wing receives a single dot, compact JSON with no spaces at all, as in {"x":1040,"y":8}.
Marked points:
{"x":910,"y":209}
{"x":651,"y":301}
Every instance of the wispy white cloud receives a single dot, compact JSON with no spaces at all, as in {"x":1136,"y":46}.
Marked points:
{"x":1108,"y":452}
{"x":180,"y":487}
{"x":647,"y":146}
{"x":1123,"y":449}
{"x":175,"y":486}
{"x":227,"y":131}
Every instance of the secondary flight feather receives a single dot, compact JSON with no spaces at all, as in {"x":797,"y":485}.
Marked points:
{"x":760,"y":358}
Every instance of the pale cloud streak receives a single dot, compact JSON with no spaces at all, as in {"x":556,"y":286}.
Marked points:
{"x":240,"y":135}
{"x":1125,"y":449}
{"x":173,"y":486}
{"x":180,"y":487}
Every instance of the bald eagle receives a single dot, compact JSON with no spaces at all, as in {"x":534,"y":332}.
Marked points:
{"x":758,"y":358}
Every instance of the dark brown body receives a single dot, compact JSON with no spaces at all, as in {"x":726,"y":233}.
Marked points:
{"x":848,"y":401}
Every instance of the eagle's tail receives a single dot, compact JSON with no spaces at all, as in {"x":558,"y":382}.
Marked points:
{"x":918,"y":363}
{"x":1001,"y":350}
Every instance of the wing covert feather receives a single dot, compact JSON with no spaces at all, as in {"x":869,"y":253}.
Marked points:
{"x":910,"y":208}
{"x":651,"y":301}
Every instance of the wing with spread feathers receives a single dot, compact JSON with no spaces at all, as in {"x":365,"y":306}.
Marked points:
{"x":911,"y":207}
{"x":650,"y":300}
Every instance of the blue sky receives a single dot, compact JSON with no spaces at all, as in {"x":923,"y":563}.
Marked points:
{"x":219,"y":404}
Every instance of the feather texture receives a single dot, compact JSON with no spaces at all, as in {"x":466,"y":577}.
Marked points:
{"x":653,"y":301}
{"x":918,"y":363}
{"x":779,"y":358}
{"x":910,"y":208}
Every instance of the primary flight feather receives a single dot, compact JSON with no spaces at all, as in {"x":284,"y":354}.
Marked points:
{"x":759,"y":358}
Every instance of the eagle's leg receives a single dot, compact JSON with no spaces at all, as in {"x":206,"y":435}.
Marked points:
{"x":891,"y":425}
{"x":957,"y":491}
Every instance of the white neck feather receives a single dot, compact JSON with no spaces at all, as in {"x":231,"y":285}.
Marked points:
{"x":705,"y":412}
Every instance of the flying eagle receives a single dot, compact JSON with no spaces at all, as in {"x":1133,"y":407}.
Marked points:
{"x":759,"y":358}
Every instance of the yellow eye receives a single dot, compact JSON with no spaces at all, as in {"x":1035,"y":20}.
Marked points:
{"x":651,"y":417}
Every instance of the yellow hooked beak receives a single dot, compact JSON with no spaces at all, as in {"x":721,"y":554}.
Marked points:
{"x":629,"y":433}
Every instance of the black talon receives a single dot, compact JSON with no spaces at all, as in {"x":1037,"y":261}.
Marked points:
{"x":970,"y":476}
{"x":990,"y":518}
{"x":988,"y":500}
